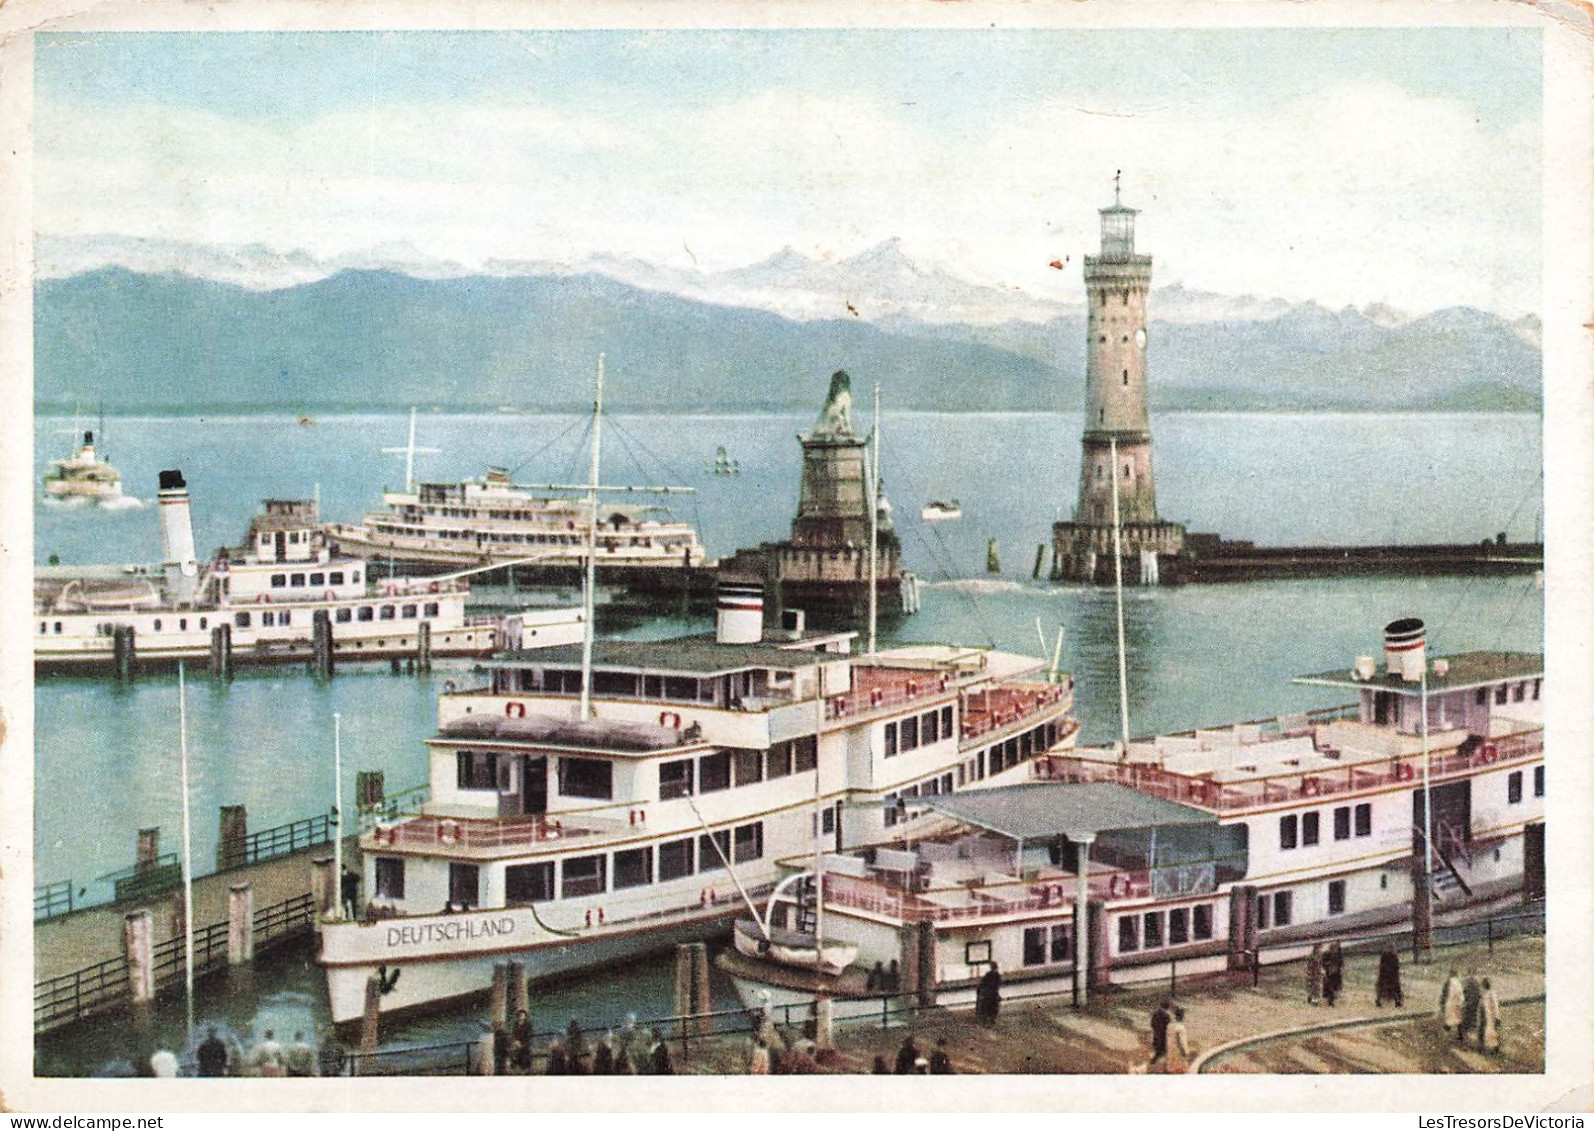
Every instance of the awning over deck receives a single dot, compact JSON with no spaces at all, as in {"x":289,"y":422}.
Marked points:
{"x":1047,"y":809}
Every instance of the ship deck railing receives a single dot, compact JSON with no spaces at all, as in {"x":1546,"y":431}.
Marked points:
{"x":1001,"y":704}
{"x":1205,"y":791}
{"x":491,"y":835}
{"x":1007,"y":706}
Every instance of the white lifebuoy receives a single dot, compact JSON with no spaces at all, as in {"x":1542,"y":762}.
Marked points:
{"x":1404,"y":772}
{"x":514,"y":710}
{"x":1311,"y":787}
{"x":448,"y":831}
{"x":263,"y":599}
{"x":433,"y":587}
{"x":1491,"y":753}
{"x":392,"y":589}
{"x":670,"y":719}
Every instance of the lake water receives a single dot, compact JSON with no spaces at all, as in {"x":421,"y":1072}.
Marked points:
{"x":105,"y":756}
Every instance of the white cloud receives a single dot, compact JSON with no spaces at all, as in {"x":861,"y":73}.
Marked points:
{"x":1363,"y":193}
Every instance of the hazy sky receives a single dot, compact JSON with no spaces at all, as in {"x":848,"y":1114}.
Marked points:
{"x":1355,"y":166}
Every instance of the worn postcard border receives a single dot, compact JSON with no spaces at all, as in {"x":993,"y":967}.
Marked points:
{"x":1568,"y":256}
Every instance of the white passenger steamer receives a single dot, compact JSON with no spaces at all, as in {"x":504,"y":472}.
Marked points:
{"x":567,"y":840}
{"x":266,"y":595}
{"x":1205,"y":847}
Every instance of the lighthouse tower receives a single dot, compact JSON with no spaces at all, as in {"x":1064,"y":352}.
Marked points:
{"x":1117,"y":440}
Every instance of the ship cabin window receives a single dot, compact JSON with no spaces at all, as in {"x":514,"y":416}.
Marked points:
{"x":335,"y":577}
{"x":1151,"y":929}
{"x":1538,"y":781}
{"x":1536,"y":685}
{"x":714,"y":772}
{"x":410,"y":612}
{"x":1178,"y":926}
{"x":1342,"y":823}
{"x":386,"y":612}
{"x":1520,"y":693}
{"x":58,"y":628}
{"x":390,"y":877}
{"x":614,"y":684}
{"x":182,"y":624}
{"x":430,"y":610}
{"x":582,"y":875}
{"x":1513,"y":788}
{"x":675,"y":779}
{"x":1309,"y":828}
{"x":891,"y":740}
{"x":1128,"y":933}
{"x":343,"y":616}
{"x":1201,"y":920}
{"x":586,"y":777}
{"x":476,"y":769}
{"x":805,"y":753}
{"x":930,"y":728}
{"x":1364,"y":819}
{"x":365,"y":613}
{"x":1264,"y":909}
{"x":279,"y":580}
{"x":908,"y":732}
{"x":157,"y":624}
{"x":1044,"y":945}
{"x":1336,"y":897}
{"x":1501,"y":693}
{"x":528,"y":883}
{"x":1480,"y":696}
{"x":713,"y":849}
{"x":633,"y":868}
{"x":44,"y":627}
{"x":677,"y":859}
{"x":1283,"y":908}
{"x":464,"y":886}
{"x":296,"y":580}
{"x":1126,"y":381}
{"x":354,"y":578}
{"x":748,"y":842}
{"x":1289,"y":831}
{"x":748,"y":766}
{"x":240,"y":620}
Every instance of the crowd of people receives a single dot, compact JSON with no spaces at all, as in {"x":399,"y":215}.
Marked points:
{"x":632,"y":1051}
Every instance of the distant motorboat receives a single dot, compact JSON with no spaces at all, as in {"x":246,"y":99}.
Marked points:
{"x":937,"y":510}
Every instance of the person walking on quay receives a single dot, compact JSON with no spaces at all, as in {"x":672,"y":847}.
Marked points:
{"x":1450,"y":1002}
{"x":212,"y":1055}
{"x":876,"y":982}
{"x":940,"y":1062}
{"x":880,"y":1068}
{"x":1176,"y":1060}
{"x":906,"y":1055}
{"x":522,"y":1041}
{"x":265,"y":1059}
{"x":350,"y":890}
{"x":988,"y":996}
{"x":1471,"y":1000}
{"x":558,"y":1062}
{"x":1389,"y":978}
{"x":1314,"y":974}
{"x":1488,"y":1019}
{"x":603,"y":1056}
{"x":1333,"y":973}
{"x":299,"y":1057}
{"x":661,"y":1060}
{"x":576,"y":1048}
{"x":1161,"y":1018}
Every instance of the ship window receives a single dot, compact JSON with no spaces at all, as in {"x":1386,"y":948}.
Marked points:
{"x":678,"y":687}
{"x":1536,"y":684}
{"x":1513,"y":788}
{"x":713,"y":849}
{"x":476,"y":770}
{"x":1045,"y":944}
{"x":278,"y":580}
{"x":581,"y":875}
{"x":1364,"y":819}
{"x":296,"y":580}
{"x":1282,"y":908}
{"x":1538,"y":781}
{"x":366,"y":613}
{"x":586,"y":777}
{"x":343,"y":616}
{"x":749,"y":766}
{"x":714,"y":772}
{"x":1336,"y":897}
{"x":1126,"y":372}
{"x":1288,"y":826}
{"x":335,"y":577}
{"x":528,"y":883}
{"x":318,"y":579}
{"x":157,"y":624}
{"x":1520,"y":693}
{"x":1128,"y":934}
{"x":633,"y":868}
{"x":805,"y":752}
{"x":1151,"y":929}
{"x":676,"y":859}
{"x":58,"y":628}
{"x":1500,"y":693}
{"x":1480,"y":696}
{"x":285,"y":617}
{"x":891,"y":740}
{"x":390,"y":877}
{"x":410,"y":612}
{"x":1342,"y":823}
{"x":749,"y":841}
{"x":44,"y":627}
{"x":614,"y":684}
{"x":946,"y":722}
{"x":1309,"y":827}
{"x":386,"y":613}
{"x":779,"y":760}
{"x":1201,"y":920}
{"x":241,"y":620}
{"x":909,"y":734}
{"x":464,"y":885}
{"x":1264,"y":908}
{"x":354,"y":578}
{"x":431,"y":609}
{"x":675,"y":779}
{"x":1178,"y":926}
{"x":930,"y":727}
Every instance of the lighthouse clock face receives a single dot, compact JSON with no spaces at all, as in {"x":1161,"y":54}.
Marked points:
{"x":1140,"y":339}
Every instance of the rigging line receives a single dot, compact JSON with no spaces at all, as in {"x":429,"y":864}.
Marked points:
{"x":1511,"y":617}
{"x":962,"y":591}
{"x":627,"y":440}
{"x":663,"y":463}
{"x":1534,"y":488}
{"x":574,"y":422}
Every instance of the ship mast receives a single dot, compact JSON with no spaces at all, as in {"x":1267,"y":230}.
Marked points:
{"x":592,"y":550}
{"x":409,"y":451}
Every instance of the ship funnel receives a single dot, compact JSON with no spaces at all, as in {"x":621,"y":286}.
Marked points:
{"x":740,"y":616}
{"x":1406,"y":648}
{"x":177,"y":537}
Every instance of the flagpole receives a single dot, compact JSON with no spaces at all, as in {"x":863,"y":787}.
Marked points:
{"x":188,"y":867}
{"x":337,"y":811}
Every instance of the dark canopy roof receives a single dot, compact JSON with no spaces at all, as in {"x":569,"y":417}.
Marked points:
{"x":1046,"y":809}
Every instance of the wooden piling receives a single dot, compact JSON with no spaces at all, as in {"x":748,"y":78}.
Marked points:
{"x":221,"y":651}
{"x":824,"y":1022}
{"x":1040,"y":560}
{"x":138,"y":943}
{"x":371,"y":1021}
{"x":240,"y":925}
{"x":123,"y":652}
{"x":423,"y":646}
{"x":691,"y":987}
{"x":149,"y":849}
{"x":498,"y":1001}
{"x":993,"y":563}
{"x":232,"y":844}
{"x":519,"y":992}
{"x":321,"y":643}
